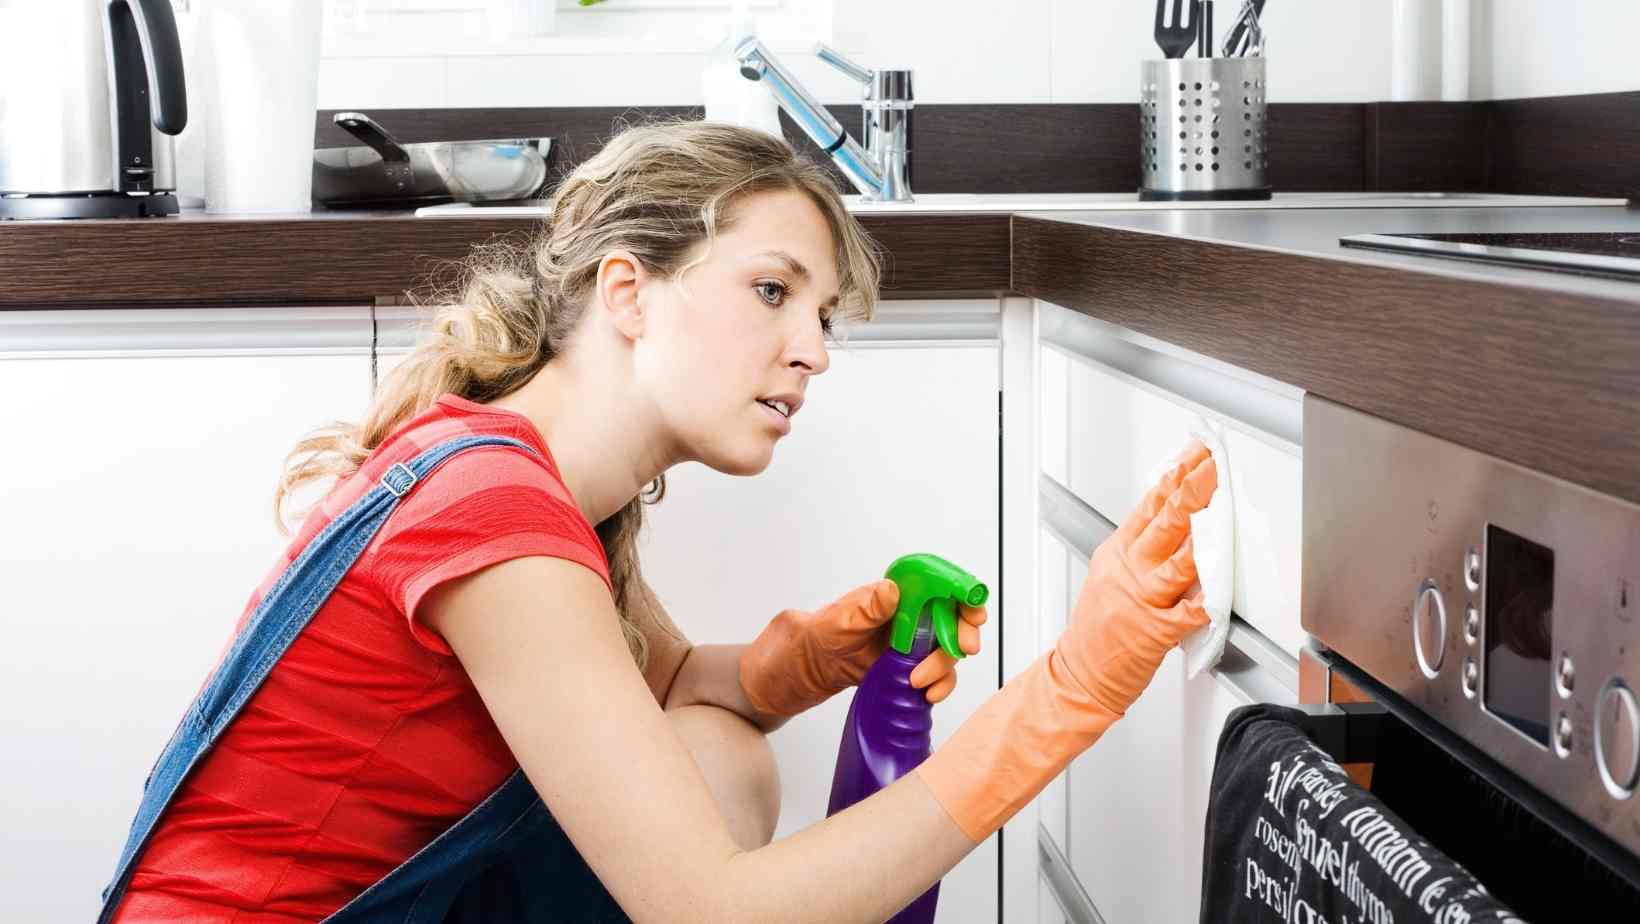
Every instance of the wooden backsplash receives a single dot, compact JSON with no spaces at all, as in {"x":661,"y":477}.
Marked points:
{"x":1566,"y":145}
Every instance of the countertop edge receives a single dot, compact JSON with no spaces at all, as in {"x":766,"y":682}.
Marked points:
{"x":205,"y":261}
{"x":1546,"y":379}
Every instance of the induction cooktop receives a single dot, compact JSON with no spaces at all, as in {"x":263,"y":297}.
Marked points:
{"x":1610,"y":254}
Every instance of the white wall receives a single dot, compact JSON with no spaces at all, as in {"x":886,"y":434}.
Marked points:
{"x":1528,"y":48}
{"x":969,"y":51}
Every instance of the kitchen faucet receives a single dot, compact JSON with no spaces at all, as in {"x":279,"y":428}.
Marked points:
{"x":882,"y":171}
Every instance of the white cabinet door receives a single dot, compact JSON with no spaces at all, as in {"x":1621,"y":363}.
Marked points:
{"x":1128,"y":408}
{"x":138,"y":489}
{"x":1047,"y":903}
{"x":1127,"y":819}
{"x":1138,"y":799}
{"x":1208,"y":701}
{"x":894,"y":452}
{"x":1111,"y":405}
{"x":137,"y":493}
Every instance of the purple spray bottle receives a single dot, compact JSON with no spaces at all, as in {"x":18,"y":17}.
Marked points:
{"x":887,"y":733}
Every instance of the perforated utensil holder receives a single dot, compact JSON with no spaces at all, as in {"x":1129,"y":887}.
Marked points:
{"x":1202,"y":129}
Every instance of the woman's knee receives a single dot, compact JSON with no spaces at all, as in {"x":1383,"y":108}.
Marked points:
{"x":739,"y":766}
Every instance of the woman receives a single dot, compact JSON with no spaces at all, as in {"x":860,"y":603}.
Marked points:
{"x":456,"y":699}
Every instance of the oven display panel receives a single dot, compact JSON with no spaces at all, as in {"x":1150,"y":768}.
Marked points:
{"x":1520,"y":580}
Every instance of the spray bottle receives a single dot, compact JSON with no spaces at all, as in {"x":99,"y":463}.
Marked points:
{"x":887,"y":733}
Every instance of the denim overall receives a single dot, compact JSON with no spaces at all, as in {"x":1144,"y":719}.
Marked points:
{"x":507,"y":860}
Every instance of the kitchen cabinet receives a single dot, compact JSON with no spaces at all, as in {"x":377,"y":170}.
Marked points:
{"x":1134,"y":812}
{"x":934,"y":418}
{"x":147,"y":447}
{"x":137,"y":487}
{"x":1128,"y":409}
{"x":895,"y":451}
{"x":1105,"y":408}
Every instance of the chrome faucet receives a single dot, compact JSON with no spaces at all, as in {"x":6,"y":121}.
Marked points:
{"x":882,"y":171}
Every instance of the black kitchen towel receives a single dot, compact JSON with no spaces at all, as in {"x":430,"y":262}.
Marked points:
{"x":1291,"y":838}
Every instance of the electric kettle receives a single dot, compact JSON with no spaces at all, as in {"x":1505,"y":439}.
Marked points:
{"x":91,"y":97}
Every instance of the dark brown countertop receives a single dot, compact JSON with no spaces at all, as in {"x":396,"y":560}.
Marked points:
{"x":354,"y":257}
{"x":1536,"y":367}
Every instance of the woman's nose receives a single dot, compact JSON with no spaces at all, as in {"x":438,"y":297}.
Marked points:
{"x":809,"y":351}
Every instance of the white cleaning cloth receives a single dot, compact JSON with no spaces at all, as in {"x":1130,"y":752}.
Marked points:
{"x":1213,"y":532}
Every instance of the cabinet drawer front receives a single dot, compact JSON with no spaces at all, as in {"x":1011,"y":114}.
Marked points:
{"x":1120,"y":428}
{"x":1141,"y":791}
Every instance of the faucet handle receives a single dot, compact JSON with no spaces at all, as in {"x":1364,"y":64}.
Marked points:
{"x":835,"y":59}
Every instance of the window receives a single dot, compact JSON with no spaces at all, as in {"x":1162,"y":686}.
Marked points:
{"x":358,"y":28}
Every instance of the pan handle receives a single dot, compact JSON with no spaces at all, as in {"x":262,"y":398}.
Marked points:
{"x":370,"y":132}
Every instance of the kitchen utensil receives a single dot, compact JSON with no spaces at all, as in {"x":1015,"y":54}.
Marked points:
{"x":1204,"y":45}
{"x":1236,"y":43}
{"x":1202,"y":129}
{"x":384,"y":172}
{"x":91,"y":97}
{"x":1175,"y":40}
{"x":1255,"y":40}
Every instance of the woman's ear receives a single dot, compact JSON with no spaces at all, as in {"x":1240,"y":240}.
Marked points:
{"x":620,"y":277}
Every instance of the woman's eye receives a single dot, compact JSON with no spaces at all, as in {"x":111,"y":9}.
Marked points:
{"x":825,"y":324}
{"x":772,"y":292}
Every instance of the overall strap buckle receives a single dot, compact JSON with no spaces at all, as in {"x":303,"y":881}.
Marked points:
{"x":398,"y":479}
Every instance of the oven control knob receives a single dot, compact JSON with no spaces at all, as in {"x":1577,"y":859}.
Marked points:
{"x":1617,"y":738}
{"x":1471,"y":677}
{"x":1563,"y":735}
{"x":1471,"y":624}
{"x":1429,"y":628}
{"x":1563,"y":679}
{"x":1472,"y":569}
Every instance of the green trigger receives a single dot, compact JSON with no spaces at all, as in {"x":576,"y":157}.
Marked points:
{"x":933,"y":585}
{"x":944,"y":610}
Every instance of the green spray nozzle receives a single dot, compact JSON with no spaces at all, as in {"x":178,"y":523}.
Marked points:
{"x":932,"y":583}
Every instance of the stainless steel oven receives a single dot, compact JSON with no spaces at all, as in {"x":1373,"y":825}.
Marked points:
{"x":1493,"y":608}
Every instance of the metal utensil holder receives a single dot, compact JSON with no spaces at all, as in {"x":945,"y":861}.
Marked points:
{"x":1203,"y":129}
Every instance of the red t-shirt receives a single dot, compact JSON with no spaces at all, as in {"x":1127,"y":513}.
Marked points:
{"x":367,"y":739}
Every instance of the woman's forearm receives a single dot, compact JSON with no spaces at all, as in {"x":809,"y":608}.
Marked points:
{"x":710,"y":675}
{"x":863,"y":864}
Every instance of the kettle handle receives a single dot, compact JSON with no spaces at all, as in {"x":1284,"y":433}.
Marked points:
{"x":156,"y":29}
{"x":142,"y":35}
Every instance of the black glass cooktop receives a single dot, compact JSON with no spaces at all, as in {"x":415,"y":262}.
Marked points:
{"x":1612,"y":254}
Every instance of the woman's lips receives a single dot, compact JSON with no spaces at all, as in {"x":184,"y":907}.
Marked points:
{"x":780,"y":421}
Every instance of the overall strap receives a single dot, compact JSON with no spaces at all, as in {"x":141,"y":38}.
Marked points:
{"x":422,"y":888}
{"x":287,"y":607}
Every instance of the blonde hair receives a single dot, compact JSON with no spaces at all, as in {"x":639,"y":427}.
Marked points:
{"x":655,"y":190}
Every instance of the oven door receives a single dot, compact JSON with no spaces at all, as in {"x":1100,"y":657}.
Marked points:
{"x":1490,"y":608}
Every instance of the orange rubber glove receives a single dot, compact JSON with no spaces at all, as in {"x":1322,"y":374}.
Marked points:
{"x":802,"y":658}
{"x":1138,"y":601}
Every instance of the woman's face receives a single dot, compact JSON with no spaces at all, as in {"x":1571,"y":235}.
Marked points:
{"x":727,"y":355}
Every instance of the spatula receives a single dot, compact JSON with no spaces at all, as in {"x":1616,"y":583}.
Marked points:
{"x":1175,"y":40}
